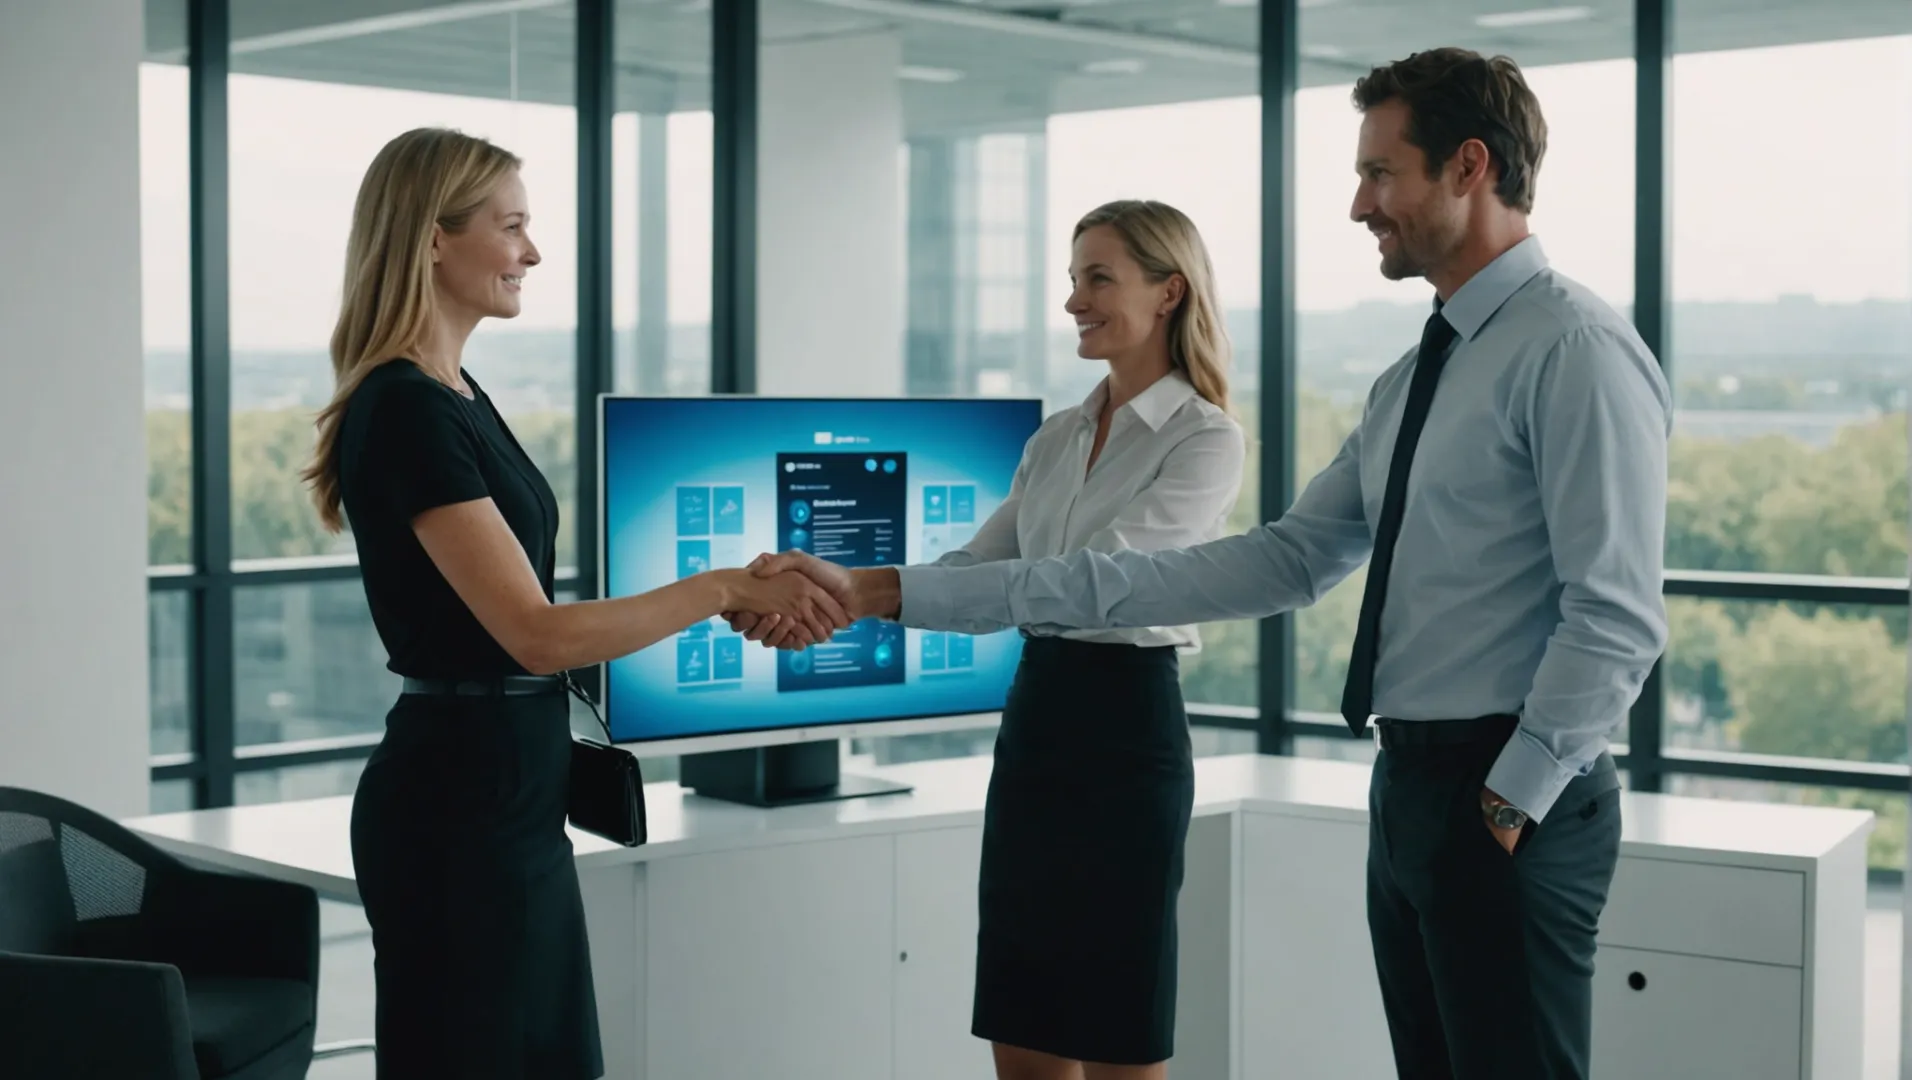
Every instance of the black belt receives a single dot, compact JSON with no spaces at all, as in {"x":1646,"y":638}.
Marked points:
{"x":1393,"y":734}
{"x":506,"y":686}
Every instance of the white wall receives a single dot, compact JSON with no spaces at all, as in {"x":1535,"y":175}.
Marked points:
{"x":830,"y":282}
{"x":73,"y":714}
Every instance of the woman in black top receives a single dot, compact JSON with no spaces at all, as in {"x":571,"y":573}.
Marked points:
{"x":458,"y":826}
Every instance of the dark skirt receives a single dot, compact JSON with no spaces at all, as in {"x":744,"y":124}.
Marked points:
{"x":480,"y":956}
{"x":1083,"y":840}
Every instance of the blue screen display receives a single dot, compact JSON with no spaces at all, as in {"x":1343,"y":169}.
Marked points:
{"x":691,"y":484}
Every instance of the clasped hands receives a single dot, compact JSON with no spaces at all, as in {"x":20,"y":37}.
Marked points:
{"x":795,"y":600}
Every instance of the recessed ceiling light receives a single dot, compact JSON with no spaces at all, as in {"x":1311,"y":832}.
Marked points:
{"x":1534,"y":17}
{"x":1122,"y":65}
{"x":1323,"y":52}
{"x":1238,"y":3}
{"x":919,"y":73}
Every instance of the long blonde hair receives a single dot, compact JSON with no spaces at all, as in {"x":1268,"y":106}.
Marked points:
{"x":1165,"y":242}
{"x":426,"y":177}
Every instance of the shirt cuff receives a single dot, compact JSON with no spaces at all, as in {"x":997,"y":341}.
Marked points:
{"x":924,"y":598}
{"x":1527,"y":776}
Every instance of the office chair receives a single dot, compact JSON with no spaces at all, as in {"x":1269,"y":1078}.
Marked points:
{"x":119,"y":960}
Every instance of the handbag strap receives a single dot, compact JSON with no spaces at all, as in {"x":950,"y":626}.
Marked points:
{"x":571,"y":685}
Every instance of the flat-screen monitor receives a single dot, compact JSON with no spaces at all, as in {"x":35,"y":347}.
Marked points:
{"x":689,"y":484}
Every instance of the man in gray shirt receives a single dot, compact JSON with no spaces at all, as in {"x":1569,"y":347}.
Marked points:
{"x":1508,"y":478}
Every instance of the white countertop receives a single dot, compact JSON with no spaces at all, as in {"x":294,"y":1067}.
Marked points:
{"x":310,"y":841}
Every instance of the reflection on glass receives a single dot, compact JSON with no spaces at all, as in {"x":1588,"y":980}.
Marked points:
{"x":309,"y":664}
{"x":169,"y":668}
{"x":1790,"y":339}
{"x":1798,"y":680}
{"x":311,"y":104}
{"x":1353,"y":323}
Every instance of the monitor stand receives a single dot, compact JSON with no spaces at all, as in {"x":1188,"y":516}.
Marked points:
{"x":784,"y":775}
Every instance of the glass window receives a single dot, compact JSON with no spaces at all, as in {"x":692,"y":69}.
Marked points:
{"x":1335,"y":748}
{"x":1792,"y":318}
{"x":1006,"y":130}
{"x":169,"y":796}
{"x":1797,"y":680}
{"x":308,"y":664}
{"x":1886,"y":850}
{"x":661,"y":142}
{"x":1353,"y":323}
{"x":294,"y":782}
{"x":311,"y":102}
{"x":166,"y":283}
{"x":169,"y":670}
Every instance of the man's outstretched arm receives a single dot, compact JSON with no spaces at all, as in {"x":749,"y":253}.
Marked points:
{"x":1276,"y":567}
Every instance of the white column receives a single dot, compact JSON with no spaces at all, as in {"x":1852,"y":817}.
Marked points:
{"x":73,"y":714}
{"x":830,"y":282}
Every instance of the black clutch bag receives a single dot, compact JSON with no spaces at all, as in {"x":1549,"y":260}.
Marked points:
{"x":607,"y":787}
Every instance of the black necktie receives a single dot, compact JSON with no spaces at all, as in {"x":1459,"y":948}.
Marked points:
{"x":1357,"y":697}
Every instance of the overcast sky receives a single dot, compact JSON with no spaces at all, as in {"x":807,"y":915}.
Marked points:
{"x":1801,"y":185}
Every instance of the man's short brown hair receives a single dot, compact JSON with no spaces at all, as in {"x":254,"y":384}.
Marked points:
{"x":1453,"y":95}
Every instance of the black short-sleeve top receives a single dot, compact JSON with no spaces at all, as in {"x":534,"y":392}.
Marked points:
{"x":409,"y":443}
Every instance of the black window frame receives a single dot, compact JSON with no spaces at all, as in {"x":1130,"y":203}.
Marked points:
{"x":212,"y":579}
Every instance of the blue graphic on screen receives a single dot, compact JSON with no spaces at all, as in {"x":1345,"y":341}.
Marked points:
{"x":707,"y":483}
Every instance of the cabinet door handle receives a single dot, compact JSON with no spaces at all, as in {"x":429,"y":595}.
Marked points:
{"x":1637,"y":981}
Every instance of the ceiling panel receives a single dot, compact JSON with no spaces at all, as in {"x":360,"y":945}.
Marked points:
{"x":1013,"y":62}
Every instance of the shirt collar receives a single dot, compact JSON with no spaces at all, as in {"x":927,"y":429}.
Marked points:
{"x":1475,"y":302}
{"x":1154,"y":406}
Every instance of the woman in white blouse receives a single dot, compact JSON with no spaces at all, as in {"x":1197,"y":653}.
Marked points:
{"x":1094,"y":777}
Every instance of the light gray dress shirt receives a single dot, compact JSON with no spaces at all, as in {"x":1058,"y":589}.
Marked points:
{"x":1167,"y":477}
{"x":1527,"y":578}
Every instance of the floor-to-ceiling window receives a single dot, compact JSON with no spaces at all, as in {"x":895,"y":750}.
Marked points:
{"x":1352,"y":323}
{"x":968,"y":144}
{"x":1791,"y":330}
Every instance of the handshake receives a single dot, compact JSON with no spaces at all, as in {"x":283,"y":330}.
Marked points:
{"x":796,"y":600}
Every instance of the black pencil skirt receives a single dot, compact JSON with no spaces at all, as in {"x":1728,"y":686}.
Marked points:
{"x":480,"y":956}
{"x":1083,"y":839}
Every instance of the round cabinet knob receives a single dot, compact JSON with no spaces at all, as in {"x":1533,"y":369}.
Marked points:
{"x":904,"y":958}
{"x":1637,"y":981}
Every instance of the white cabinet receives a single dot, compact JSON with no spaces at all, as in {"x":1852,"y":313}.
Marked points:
{"x":1745,"y":969}
{"x":936,"y":877}
{"x":1310,"y":1002}
{"x":1696,"y":1018}
{"x":836,"y":941}
{"x":771,"y":962}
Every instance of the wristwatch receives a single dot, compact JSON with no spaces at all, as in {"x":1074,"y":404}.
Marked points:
{"x":1503,"y":815}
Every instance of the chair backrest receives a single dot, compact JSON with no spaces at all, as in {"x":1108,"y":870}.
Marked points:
{"x":68,"y":875}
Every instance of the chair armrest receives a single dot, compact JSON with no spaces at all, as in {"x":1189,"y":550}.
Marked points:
{"x":64,"y":1017}
{"x":209,"y":923}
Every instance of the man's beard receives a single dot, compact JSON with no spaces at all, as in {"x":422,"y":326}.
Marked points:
{"x":1415,"y":251}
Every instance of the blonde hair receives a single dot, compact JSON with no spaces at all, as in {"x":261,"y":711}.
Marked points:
{"x":1165,"y":242}
{"x":426,"y":177}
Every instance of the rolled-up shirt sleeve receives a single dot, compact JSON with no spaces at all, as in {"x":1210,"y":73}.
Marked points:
{"x":1276,"y":567}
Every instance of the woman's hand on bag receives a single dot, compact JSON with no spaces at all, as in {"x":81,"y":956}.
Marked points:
{"x":798,"y":612}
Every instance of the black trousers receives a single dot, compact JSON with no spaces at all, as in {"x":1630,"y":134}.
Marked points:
{"x":1485,"y":958}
